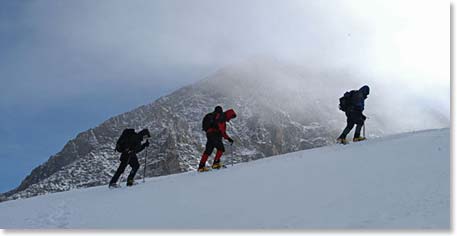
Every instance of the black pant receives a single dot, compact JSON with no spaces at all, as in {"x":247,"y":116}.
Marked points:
{"x":214,"y":140}
{"x":353,"y":118}
{"x":126,"y":159}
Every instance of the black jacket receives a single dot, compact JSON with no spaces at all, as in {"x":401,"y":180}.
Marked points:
{"x":134,"y":144}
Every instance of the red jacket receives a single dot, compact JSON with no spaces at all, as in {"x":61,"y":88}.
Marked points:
{"x":229,"y":114}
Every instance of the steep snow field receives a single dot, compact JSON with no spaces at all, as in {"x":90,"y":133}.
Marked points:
{"x":397,"y":182}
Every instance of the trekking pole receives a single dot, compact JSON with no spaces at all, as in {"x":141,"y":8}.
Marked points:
{"x":364,"y":130}
{"x":145,"y":162}
{"x":231,"y":156}
{"x":364,"y":122}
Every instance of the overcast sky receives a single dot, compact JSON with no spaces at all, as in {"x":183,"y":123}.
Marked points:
{"x":66,"y":66}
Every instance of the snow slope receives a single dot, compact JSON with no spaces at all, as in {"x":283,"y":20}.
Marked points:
{"x":398,"y":182}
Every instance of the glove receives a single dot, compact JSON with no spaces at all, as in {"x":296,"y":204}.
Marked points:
{"x":230,"y":140}
{"x":146,"y":144}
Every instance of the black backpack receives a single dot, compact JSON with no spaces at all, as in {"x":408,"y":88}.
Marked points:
{"x":346,"y":100}
{"x":209,"y":121}
{"x":122,"y":143}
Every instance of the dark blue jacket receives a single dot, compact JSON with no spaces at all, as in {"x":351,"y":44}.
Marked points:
{"x":359,"y":98}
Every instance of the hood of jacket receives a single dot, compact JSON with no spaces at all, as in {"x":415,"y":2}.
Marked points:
{"x":365,"y":90}
{"x":229,"y":114}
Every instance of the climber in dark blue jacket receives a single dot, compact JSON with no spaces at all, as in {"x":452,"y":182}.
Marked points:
{"x":354,"y":114}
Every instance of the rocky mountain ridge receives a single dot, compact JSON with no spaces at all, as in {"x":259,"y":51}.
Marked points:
{"x":281,"y":109}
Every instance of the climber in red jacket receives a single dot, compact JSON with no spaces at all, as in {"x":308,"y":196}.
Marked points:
{"x":214,"y":124}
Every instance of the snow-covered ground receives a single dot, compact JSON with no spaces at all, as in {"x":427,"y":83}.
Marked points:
{"x":397,"y":182}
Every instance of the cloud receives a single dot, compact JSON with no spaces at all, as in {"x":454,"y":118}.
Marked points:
{"x":66,"y":47}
